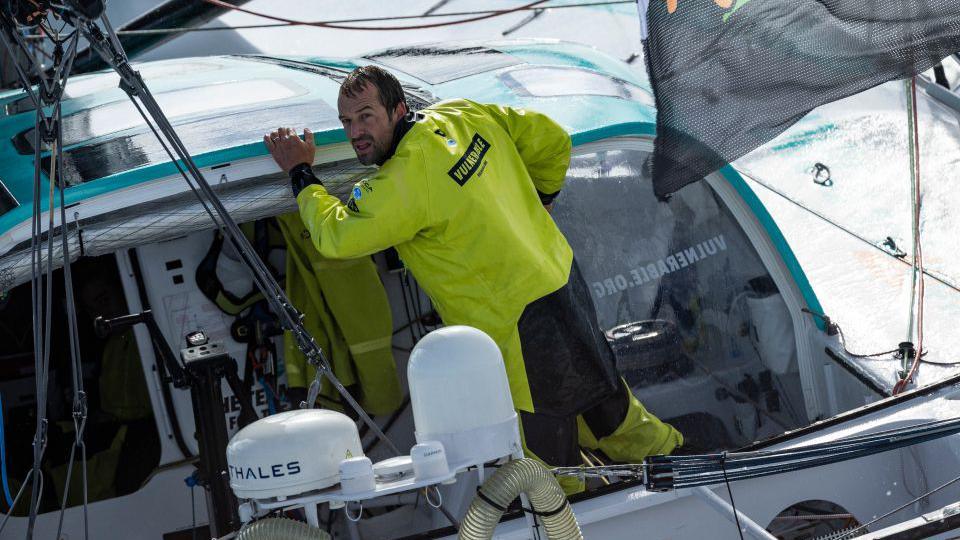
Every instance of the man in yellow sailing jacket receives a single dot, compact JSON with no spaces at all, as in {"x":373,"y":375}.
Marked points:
{"x":463,"y":191}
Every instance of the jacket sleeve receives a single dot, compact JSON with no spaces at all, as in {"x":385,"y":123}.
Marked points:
{"x":543,"y":145}
{"x":385,"y":210}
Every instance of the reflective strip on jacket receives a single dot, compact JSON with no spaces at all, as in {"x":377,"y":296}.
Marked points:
{"x":459,"y":201}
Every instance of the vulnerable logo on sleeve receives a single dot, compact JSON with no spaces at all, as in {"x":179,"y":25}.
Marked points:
{"x":470,"y":161}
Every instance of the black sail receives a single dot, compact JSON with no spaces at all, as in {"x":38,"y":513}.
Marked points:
{"x":729,"y":79}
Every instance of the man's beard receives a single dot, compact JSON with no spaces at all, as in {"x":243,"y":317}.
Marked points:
{"x":377,"y":152}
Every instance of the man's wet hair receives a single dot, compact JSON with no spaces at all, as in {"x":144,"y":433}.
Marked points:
{"x":391,"y":93}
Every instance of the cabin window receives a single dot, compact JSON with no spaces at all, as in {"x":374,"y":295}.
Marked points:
{"x":700,"y":331}
{"x":538,"y":81}
{"x":7,"y":202}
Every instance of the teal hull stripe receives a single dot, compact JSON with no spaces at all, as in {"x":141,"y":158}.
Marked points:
{"x":776,"y":236}
{"x":255,"y":149}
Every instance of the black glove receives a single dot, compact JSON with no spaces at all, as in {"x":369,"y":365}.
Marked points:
{"x":302,"y":176}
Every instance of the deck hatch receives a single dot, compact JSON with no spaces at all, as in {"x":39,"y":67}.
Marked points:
{"x":81,"y":86}
{"x":417,"y":98}
{"x":131,"y":151}
{"x":437,"y":64}
{"x":110,"y":118}
{"x":536,"y":81}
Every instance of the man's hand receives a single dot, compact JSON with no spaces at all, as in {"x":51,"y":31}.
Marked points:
{"x":288,"y":150}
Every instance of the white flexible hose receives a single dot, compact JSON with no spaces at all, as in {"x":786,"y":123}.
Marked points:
{"x":287,"y":529}
{"x":516,"y":477}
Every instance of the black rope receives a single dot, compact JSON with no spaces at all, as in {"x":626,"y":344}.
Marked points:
{"x":542,"y":513}
{"x":843,"y":340}
{"x":490,"y":501}
{"x":843,"y":343}
{"x":736,"y":517}
{"x":406,"y":307}
{"x":419,"y":309}
{"x":932,"y":363}
{"x":547,"y":513}
{"x":872,"y":356}
{"x":184,"y":30}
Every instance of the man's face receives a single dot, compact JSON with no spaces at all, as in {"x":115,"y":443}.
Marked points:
{"x":368,"y":124}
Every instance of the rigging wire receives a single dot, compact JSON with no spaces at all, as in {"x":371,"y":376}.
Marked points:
{"x":337,"y":26}
{"x":191,"y":29}
{"x":733,"y":505}
{"x":849,"y":232}
{"x":917,"y":285}
{"x":26,"y":482}
{"x":664,"y":473}
{"x":43,"y":301}
{"x":933,"y":363}
{"x":79,"y":412}
{"x":34,"y":476}
{"x":108,"y":47}
{"x":850,"y":534}
{"x":362,"y":19}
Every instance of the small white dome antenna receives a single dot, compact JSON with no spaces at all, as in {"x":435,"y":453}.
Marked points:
{"x":460,"y":396}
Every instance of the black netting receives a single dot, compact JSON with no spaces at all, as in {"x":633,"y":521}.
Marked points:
{"x":728,"y":80}
{"x":169,"y":217}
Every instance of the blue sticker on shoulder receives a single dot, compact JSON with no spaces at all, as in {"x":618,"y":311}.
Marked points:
{"x":357,"y":193}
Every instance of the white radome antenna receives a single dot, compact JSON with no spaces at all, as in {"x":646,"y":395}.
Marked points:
{"x":291,"y":453}
{"x":463,"y":415}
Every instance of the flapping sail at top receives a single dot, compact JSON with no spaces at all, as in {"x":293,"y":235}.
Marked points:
{"x":730,"y":75}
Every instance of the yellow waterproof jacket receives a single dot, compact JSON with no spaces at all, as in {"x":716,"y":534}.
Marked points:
{"x":458,"y":200}
{"x":346,"y":310}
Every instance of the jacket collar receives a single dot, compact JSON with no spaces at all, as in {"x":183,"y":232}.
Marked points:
{"x":401,"y":129}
